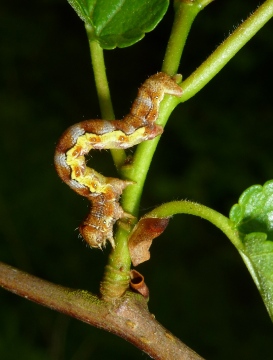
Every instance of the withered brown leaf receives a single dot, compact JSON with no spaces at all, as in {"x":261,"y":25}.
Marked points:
{"x":146,"y":230}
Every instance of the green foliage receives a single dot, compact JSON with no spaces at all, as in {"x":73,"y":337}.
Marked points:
{"x":253,"y":218}
{"x":119,"y":23}
{"x":254,"y":211}
{"x":259,"y":252}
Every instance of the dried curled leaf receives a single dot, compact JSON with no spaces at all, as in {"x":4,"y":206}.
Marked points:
{"x":137,"y":283}
{"x":142,"y":236}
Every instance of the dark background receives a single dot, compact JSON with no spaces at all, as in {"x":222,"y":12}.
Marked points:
{"x":215,"y":146}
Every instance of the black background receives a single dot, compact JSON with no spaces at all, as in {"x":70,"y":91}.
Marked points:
{"x":214,"y":147}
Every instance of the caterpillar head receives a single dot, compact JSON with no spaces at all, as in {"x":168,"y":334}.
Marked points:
{"x":95,"y":237}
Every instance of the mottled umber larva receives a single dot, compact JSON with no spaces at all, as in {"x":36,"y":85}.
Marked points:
{"x":104,"y":192}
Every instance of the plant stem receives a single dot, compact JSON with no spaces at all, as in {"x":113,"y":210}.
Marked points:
{"x":137,"y":172}
{"x":142,"y":160}
{"x":221,"y":56}
{"x":116,"y":276}
{"x":185,"y":13}
{"x":103,"y":91}
{"x":187,"y":207}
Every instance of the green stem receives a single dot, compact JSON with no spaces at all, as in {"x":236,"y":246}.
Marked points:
{"x":187,"y":207}
{"x":137,"y":171}
{"x":185,"y":13}
{"x":103,"y":91}
{"x":142,"y":160}
{"x":99,"y":69}
{"x":226,"y":51}
{"x":117,"y":272}
{"x":116,"y":276}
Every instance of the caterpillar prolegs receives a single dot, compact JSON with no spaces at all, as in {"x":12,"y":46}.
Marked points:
{"x":104,"y":192}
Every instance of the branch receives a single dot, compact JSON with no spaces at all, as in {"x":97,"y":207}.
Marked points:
{"x":127,"y":317}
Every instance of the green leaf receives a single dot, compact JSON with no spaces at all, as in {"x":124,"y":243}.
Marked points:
{"x":253,"y":218}
{"x":254,"y":211}
{"x":119,"y":22}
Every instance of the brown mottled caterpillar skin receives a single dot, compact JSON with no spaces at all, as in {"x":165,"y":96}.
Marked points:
{"x":104,"y":192}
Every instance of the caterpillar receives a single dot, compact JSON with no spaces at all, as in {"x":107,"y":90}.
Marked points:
{"x":104,"y":192}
